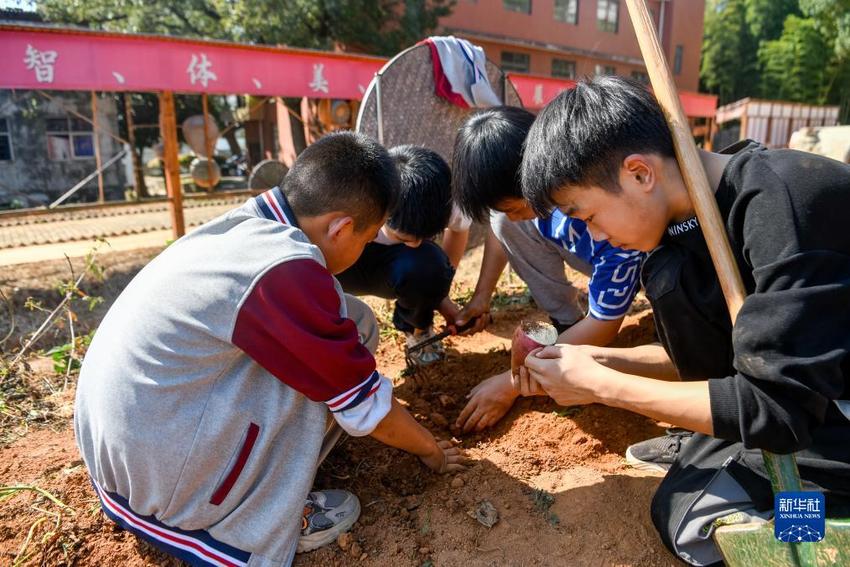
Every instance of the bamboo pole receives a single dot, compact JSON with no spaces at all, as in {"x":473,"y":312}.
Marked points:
{"x":689,"y":162}
{"x":782,"y":468}
{"x":138,"y":173}
{"x":207,"y":148}
{"x":96,"y":140}
{"x":168,"y":131}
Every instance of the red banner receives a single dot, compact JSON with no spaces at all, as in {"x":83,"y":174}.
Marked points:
{"x":75,"y":60}
{"x":535,"y":92}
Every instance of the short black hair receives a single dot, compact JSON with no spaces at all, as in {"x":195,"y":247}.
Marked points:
{"x":424,"y":203}
{"x":487,"y":157}
{"x":344,"y":171}
{"x":583,"y":135}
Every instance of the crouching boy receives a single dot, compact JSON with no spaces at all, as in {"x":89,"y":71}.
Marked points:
{"x":778,"y":379}
{"x":223,"y":373}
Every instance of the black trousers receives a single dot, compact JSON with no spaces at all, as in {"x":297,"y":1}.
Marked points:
{"x":417,"y":278}
{"x":694,"y":326}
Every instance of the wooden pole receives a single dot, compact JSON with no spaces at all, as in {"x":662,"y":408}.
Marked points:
{"x":782,"y":468}
{"x":138,"y":173}
{"x":96,"y":140}
{"x":207,"y":144}
{"x":690,"y":165}
{"x":168,"y":131}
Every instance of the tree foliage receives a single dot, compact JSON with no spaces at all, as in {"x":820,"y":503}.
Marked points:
{"x":793,"y":65}
{"x":729,"y":54}
{"x":381,"y":27}
{"x":795,"y":50}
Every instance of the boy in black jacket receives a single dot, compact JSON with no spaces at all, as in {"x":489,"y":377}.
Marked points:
{"x":779,"y":380}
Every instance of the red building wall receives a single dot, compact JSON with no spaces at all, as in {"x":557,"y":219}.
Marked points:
{"x":489,"y":24}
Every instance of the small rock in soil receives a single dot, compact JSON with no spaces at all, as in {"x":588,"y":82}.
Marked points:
{"x":344,"y":540}
{"x":457,"y":482}
{"x":485,"y":513}
{"x":424,"y":550}
{"x":439,"y":420}
{"x":355,"y":550}
{"x":412,"y":503}
{"x":446,"y":400}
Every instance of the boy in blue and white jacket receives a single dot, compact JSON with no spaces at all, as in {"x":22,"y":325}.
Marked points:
{"x":485,"y":184}
{"x":223,"y":373}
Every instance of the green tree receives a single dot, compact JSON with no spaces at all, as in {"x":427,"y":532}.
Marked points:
{"x":381,"y":27}
{"x":793,"y":66}
{"x":729,"y":54}
{"x":810,"y":61}
{"x":766,"y":18}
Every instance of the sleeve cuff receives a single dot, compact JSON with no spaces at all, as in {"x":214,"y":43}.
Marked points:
{"x":363,"y":418}
{"x":725,"y":415}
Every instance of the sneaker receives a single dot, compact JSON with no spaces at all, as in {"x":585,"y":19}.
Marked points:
{"x":327,"y":514}
{"x":427,"y":355}
{"x":658,"y":454}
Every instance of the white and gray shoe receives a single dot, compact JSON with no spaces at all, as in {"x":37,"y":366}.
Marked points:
{"x":426,"y":355}
{"x":327,"y":514}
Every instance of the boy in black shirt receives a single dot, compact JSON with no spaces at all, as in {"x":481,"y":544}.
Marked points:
{"x":779,"y":380}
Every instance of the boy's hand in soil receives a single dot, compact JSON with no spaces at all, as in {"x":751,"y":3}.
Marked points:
{"x":398,"y":429}
{"x":488,"y":402}
{"x":445,"y":458}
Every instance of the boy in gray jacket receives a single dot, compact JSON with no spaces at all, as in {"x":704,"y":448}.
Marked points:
{"x":222,"y":375}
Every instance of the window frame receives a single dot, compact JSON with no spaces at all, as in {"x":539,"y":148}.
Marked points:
{"x":606,"y":25}
{"x":506,"y":5}
{"x":640,"y":76}
{"x":678,"y":56}
{"x":612,"y":68}
{"x":574,"y":22}
{"x":569,"y":62}
{"x":7,"y":133}
{"x":513,"y":70}
{"x":72,"y":132}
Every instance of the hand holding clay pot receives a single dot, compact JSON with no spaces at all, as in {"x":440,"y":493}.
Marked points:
{"x":530,"y":335}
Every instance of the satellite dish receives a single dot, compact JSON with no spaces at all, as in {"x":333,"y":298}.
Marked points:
{"x":193,"y":133}
{"x":267,"y":174}
{"x":412,"y":113}
{"x":205,"y":173}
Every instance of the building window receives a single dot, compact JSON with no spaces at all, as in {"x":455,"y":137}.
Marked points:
{"x":566,"y":11}
{"x":563,"y":69}
{"x":641,"y":77}
{"x":5,"y":141}
{"x":518,"y":62}
{"x":606,"y":70}
{"x":607,"y":15}
{"x":677,"y":60}
{"x":69,"y":138}
{"x":522,"y":6}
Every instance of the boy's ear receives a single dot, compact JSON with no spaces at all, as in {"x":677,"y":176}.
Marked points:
{"x":640,"y":168}
{"x":339,"y":226}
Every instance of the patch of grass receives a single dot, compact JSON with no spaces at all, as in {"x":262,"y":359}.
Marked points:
{"x":52,"y":533}
{"x":568,"y":411}
{"x":426,"y":524}
{"x":543,"y":500}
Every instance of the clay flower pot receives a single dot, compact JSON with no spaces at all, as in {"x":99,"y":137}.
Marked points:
{"x":528,"y":336}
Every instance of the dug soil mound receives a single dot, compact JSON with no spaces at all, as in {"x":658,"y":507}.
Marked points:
{"x":553,"y":479}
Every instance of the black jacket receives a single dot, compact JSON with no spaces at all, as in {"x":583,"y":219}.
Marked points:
{"x":773,"y":378}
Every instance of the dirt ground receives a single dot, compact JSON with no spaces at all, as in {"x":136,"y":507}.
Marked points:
{"x":556,"y":476}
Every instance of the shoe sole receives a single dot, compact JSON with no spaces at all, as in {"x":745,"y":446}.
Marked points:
{"x":638,"y":464}
{"x":324,"y":537}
